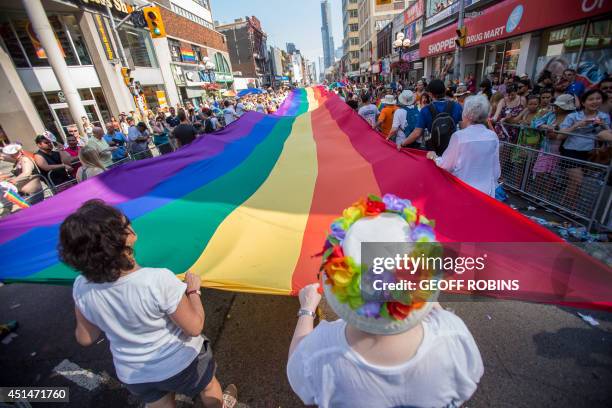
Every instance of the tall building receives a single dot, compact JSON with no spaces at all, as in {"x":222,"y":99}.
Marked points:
{"x":350,"y":40}
{"x":373,"y":16}
{"x":246,"y":42}
{"x":291,"y":48}
{"x":327,"y":34}
{"x":61,"y":60}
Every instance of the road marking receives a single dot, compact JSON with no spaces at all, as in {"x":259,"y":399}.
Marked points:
{"x":78,"y":375}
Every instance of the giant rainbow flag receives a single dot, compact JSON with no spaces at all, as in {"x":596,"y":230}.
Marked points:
{"x":247,"y":208}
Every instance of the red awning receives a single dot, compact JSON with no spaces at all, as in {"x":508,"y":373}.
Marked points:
{"x":510,"y":18}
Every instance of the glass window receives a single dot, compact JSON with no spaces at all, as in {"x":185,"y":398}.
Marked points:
{"x":138,"y":47}
{"x":197,"y":54}
{"x":63,"y":40}
{"x":102,"y":105}
{"x":175,"y":50}
{"x":559,"y":49}
{"x":85,"y":94}
{"x":33,"y":49}
{"x":596,"y":58}
{"x":12,"y":45}
{"x":150,"y":95}
{"x":77,"y":39}
{"x":45,"y":113}
{"x":54,"y":97}
{"x":511,"y":56}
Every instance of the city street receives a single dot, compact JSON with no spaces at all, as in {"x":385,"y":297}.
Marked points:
{"x":534,"y":355}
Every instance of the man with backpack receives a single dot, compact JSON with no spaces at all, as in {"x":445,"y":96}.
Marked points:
{"x":440,"y":118}
{"x":404,"y":119}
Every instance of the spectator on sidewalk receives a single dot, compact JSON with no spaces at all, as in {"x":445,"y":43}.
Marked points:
{"x":73,"y":150}
{"x":91,"y":165}
{"x":98,"y":143}
{"x":473,"y":152}
{"x":152,"y":320}
{"x":115,"y":138}
{"x":24,"y":174}
{"x":54,"y":165}
{"x":138,"y":137}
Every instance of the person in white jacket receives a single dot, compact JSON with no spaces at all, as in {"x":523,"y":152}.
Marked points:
{"x":473,"y":152}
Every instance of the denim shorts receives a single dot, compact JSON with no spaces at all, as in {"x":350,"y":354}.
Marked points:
{"x":190,"y":382}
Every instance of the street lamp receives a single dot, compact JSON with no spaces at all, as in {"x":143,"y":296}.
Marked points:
{"x":401,"y":44}
{"x":208,"y":67}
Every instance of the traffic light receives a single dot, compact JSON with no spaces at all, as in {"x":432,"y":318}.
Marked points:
{"x":125,"y":73}
{"x":461,"y":36}
{"x":154,"y":21}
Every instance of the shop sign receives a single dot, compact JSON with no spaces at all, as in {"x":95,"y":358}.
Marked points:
{"x":413,"y":12}
{"x":118,"y":6}
{"x":513,"y":17}
{"x":447,"y":12}
{"x":161,"y":99}
{"x":222,"y":77}
{"x":375,"y":68}
{"x":104,"y":37}
{"x":411,"y":56}
{"x":418,"y":65}
{"x":414,"y":31}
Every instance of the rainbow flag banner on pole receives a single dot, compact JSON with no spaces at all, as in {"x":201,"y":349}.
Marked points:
{"x":249,"y":207}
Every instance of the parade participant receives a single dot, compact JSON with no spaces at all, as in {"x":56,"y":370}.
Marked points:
{"x":91,"y":165}
{"x":152,"y":320}
{"x":116,"y":139}
{"x":368,"y":110}
{"x":420,"y":90}
{"x":404,"y":119}
{"x":385,"y":119}
{"x":54,"y":165}
{"x":210,"y":122}
{"x":24,"y":174}
{"x":240,"y":107}
{"x":473,"y":152}
{"x":139,"y":140}
{"x":229,"y":114}
{"x":461,"y":93}
{"x":98,"y":143}
{"x":185,"y":132}
{"x":445,"y":113}
{"x":411,"y":353}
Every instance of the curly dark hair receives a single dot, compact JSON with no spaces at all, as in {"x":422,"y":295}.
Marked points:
{"x":93,"y":241}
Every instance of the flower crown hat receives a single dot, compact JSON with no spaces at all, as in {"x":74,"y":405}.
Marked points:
{"x":390,"y":219}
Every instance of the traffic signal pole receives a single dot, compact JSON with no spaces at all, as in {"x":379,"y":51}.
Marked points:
{"x":458,"y":50}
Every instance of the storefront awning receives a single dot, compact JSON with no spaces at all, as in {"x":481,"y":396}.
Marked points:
{"x":510,"y":18}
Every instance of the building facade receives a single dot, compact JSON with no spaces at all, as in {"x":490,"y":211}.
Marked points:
{"x":350,"y":43}
{"x":248,"y":51}
{"x":373,"y":17}
{"x":191,"y":43}
{"x":327,"y":36}
{"x":517,"y":37}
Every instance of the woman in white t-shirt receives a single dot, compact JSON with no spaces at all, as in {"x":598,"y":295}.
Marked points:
{"x":380,"y":353}
{"x":152,"y":320}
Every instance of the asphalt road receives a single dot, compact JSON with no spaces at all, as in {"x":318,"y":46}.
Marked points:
{"x":534,"y":355}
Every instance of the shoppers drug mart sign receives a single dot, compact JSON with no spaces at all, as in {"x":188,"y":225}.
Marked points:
{"x":510,"y":18}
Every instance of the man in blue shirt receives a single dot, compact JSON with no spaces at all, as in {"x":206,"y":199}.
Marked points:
{"x":575,"y":88}
{"x":115,"y":137}
{"x":437,"y":89}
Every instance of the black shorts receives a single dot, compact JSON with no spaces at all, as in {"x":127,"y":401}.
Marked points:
{"x":190,"y":382}
{"x":576,"y":154}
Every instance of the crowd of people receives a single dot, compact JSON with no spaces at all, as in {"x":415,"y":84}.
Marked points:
{"x":60,"y":164}
{"x":558,"y":117}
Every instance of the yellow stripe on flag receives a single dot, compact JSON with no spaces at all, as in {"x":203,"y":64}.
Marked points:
{"x":257,"y":246}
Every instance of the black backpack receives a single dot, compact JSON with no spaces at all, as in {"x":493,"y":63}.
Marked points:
{"x":442,"y":128}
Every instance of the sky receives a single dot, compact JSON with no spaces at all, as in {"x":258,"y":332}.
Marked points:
{"x":285,"y":21}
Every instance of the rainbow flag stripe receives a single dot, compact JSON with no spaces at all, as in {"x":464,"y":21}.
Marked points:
{"x":249,"y":207}
{"x":187,"y":55}
{"x":16,"y":199}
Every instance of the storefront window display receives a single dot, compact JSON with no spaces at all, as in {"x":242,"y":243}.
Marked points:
{"x":26,"y":50}
{"x":138,"y":47}
{"x":584,"y":47}
{"x":150,"y":95}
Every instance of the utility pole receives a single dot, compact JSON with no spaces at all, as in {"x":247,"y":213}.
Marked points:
{"x":458,"y":49}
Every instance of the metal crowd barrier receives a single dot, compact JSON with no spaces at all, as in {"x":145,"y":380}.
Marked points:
{"x":50,"y":189}
{"x":576,"y":189}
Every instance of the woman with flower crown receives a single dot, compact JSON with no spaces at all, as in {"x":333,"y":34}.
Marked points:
{"x":399,"y":351}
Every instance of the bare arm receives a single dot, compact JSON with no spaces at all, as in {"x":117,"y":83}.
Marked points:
{"x":500,"y":106}
{"x":189,"y":314}
{"x":86,"y":333}
{"x":309,"y":300}
{"x":414,"y":135}
{"x":43,"y":165}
